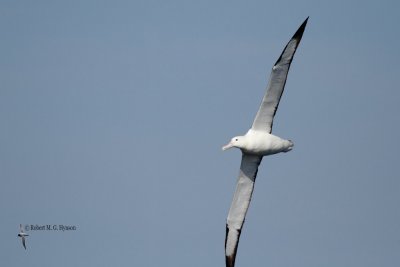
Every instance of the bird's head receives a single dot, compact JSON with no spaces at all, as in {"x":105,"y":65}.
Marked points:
{"x":237,"y":141}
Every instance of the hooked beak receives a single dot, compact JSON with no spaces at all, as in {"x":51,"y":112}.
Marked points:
{"x":227,"y":146}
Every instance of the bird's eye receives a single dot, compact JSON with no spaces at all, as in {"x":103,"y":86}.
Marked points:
{"x":236,"y":139}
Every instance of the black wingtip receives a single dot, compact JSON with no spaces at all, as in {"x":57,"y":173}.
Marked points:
{"x":296,"y":38}
{"x":300,"y":31}
{"x":230,"y":261}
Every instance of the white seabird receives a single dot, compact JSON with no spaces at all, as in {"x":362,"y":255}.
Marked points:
{"x":256,"y":143}
{"x":22,"y":234}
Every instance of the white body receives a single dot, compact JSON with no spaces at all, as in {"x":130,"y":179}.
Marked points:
{"x":260,"y":143}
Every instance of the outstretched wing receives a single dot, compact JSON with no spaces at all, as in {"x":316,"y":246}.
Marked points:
{"x":265,"y":115}
{"x":23,"y":241}
{"x":240,"y":205}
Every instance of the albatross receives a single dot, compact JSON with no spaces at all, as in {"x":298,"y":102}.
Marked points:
{"x":22,"y":234}
{"x":257,"y":143}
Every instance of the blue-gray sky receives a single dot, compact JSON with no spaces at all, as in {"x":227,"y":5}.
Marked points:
{"x":113,"y":115}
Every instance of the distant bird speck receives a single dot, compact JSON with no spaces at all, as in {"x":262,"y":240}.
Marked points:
{"x":22,"y":234}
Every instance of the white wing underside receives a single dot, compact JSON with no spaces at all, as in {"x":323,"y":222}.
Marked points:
{"x":265,"y":115}
{"x":23,"y":241}
{"x":240,"y":203}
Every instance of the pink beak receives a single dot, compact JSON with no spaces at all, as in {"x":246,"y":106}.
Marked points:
{"x":227,"y":146}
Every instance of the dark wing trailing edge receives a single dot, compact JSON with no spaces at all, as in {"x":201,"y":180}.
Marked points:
{"x":265,"y":115}
{"x":240,"y":204}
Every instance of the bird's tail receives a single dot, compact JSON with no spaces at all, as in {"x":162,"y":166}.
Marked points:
{"x":289,"y":145}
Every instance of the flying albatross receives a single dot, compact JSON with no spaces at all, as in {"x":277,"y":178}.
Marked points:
{"x":22,"y":234}
{"x":255,"y":144}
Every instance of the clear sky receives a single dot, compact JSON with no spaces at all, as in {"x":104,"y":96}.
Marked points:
{"x":113,"y":115}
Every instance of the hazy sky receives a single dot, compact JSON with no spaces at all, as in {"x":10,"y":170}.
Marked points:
{"x":113,"y":115}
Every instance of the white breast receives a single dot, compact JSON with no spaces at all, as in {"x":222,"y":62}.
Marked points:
{"x":263,"y":143}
